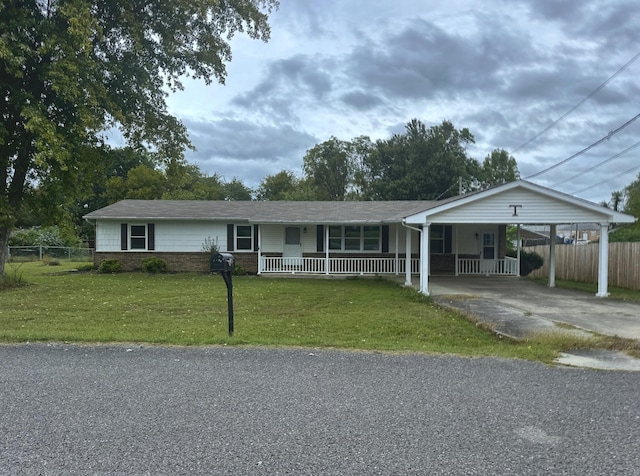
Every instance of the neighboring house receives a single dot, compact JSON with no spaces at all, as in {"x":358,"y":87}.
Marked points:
{"x":460,"y":235}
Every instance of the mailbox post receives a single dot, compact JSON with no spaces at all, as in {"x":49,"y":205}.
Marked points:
{"x":224,"y":264}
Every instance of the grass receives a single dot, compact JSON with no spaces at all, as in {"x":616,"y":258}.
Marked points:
{"x":190,"y":309}
{"x":592,"y":288}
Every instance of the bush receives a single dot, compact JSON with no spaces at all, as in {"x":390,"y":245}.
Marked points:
{"x":11,"y":281}
{"x":43,"y":236}
{"x":154,"y":265}
{"x":110,"y":266}
{"x":529,"y":261}
{"x":239,"y":270}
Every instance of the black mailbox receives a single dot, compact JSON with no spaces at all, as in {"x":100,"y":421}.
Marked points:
{"x":221,"y":262}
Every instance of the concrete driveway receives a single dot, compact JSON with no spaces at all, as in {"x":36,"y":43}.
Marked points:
{"x":518,"y":306}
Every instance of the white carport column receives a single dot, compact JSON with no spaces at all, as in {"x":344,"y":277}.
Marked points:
{"x":603,"y":262}
{"x":259,"y":249}
{"x":327,"y":263}
{"x":552,"y":256}
{"x":407,"y":257}
{"x":424,"y":260}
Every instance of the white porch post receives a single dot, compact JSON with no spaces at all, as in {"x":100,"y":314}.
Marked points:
{"x":326,"y":249}
{"x":603,"y":262}
{"x":457,"y":267}
{"x":396,"y":263}
{"x":407,"y":257}
{"x":424,"y":260}
{"x":259,"y":249}
{"x":552,"y":256}
{"x":518,"y":247}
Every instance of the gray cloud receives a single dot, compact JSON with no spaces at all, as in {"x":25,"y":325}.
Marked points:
{"x":506,"y":70}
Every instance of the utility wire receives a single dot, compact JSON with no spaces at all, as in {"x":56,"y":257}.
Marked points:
{"x":609,"y":179}
{"x":607,"y":137}
{"x":634,"y":146}
{"x":588,"y":96}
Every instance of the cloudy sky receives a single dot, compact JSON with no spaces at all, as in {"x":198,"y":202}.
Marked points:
{"x":504,"y":69}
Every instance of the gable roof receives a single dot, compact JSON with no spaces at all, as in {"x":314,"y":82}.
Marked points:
{"x":541,"y":205}
{"x":263,"y":212}
{"x":535,"y":204}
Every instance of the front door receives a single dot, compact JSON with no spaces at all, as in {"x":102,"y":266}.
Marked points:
{"x":292,"y":252}
{"x":488,"y":252}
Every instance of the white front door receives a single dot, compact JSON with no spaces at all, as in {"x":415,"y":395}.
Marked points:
{"x":292,"y":252}
{"x":488,"y":263}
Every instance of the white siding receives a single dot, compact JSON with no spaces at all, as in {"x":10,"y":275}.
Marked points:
{"x":272,"y":236}
{"x":535,"y":208}
{"x":466,"y":237}
{"x":107,"y":236}
{"x":177,"y":236}
{"x":189,"y":236}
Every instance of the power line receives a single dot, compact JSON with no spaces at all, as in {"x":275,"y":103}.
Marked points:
{"x":609,"y":179}
{"x":628,"y":149}
{"x":607,"y":137}
{"x":588,"y":96}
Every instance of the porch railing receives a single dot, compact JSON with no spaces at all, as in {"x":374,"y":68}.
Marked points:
{"x":507,"y":266}
{"x":347,"y":265}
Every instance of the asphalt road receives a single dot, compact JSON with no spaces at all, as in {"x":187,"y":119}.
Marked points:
{"x":153,"y":410}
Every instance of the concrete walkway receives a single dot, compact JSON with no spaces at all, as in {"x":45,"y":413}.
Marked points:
{"x":518,"y":307}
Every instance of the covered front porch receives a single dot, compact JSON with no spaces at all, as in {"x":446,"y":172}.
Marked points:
{"x":386,"y":249}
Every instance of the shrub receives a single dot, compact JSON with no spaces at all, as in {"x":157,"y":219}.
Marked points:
{"x":110,"y":266}
{"x":529,"y":261}
{"x":154,"y":265}
{"x":49,"y":261}
{"x":210,"y":245}
{"x":10,"y":281}
{"x":239,"y":270}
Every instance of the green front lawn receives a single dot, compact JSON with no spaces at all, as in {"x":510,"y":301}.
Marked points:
{"x":190,"y":309}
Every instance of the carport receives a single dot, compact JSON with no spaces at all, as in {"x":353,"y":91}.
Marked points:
{"x":516,"y":203}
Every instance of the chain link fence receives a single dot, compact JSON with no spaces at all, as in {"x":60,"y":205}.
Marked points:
{"x":39,"y":253}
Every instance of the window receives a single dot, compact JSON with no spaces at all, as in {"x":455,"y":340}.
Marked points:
{"x":244,"y":237}
{"x":440,"y":239}
{"x":354,"y":238}
{"x":137,"y":237}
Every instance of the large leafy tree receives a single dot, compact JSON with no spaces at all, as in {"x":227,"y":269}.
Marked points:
{"x":499,"y":167}
{"x":421,"y":164}
{"x":329,"y":169}
{"x":70,"y":69}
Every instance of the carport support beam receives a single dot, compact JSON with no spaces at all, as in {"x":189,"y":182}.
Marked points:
{"x":424,"y":260}
{"x":603,"y":261}
{"x":552,"y":256}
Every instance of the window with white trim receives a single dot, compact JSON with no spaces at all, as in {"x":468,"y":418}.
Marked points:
{"x":355,"y":238}
{"x":244,"y":237}
{"x":138,"y":237}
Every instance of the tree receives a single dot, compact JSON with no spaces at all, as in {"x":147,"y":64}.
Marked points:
{"x":328,"y":167}
{"x":236,"y":190}
{"x":499,"y":167}
{"x":632,"y":198}
{"x":71,"y":69}
{"x":280,"y":186}
{"x":421,"y":164}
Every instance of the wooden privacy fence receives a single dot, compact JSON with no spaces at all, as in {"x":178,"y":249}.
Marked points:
{"x":580,"y":263}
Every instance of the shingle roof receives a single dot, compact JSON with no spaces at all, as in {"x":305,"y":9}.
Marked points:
{"x":264,"y":212}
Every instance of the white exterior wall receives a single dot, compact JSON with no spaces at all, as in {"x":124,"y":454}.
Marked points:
{"x":273,"y":238}
{"x":466,"y":237}
{"x":179,"y":236}
{"x":185,"y":236}
{"x":170,"y":236}
{"x":535,"y":208}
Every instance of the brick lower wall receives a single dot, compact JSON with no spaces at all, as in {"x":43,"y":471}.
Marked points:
{"x":177,"y":262}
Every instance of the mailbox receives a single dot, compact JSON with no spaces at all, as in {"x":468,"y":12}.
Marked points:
{"x":221,"y":262}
